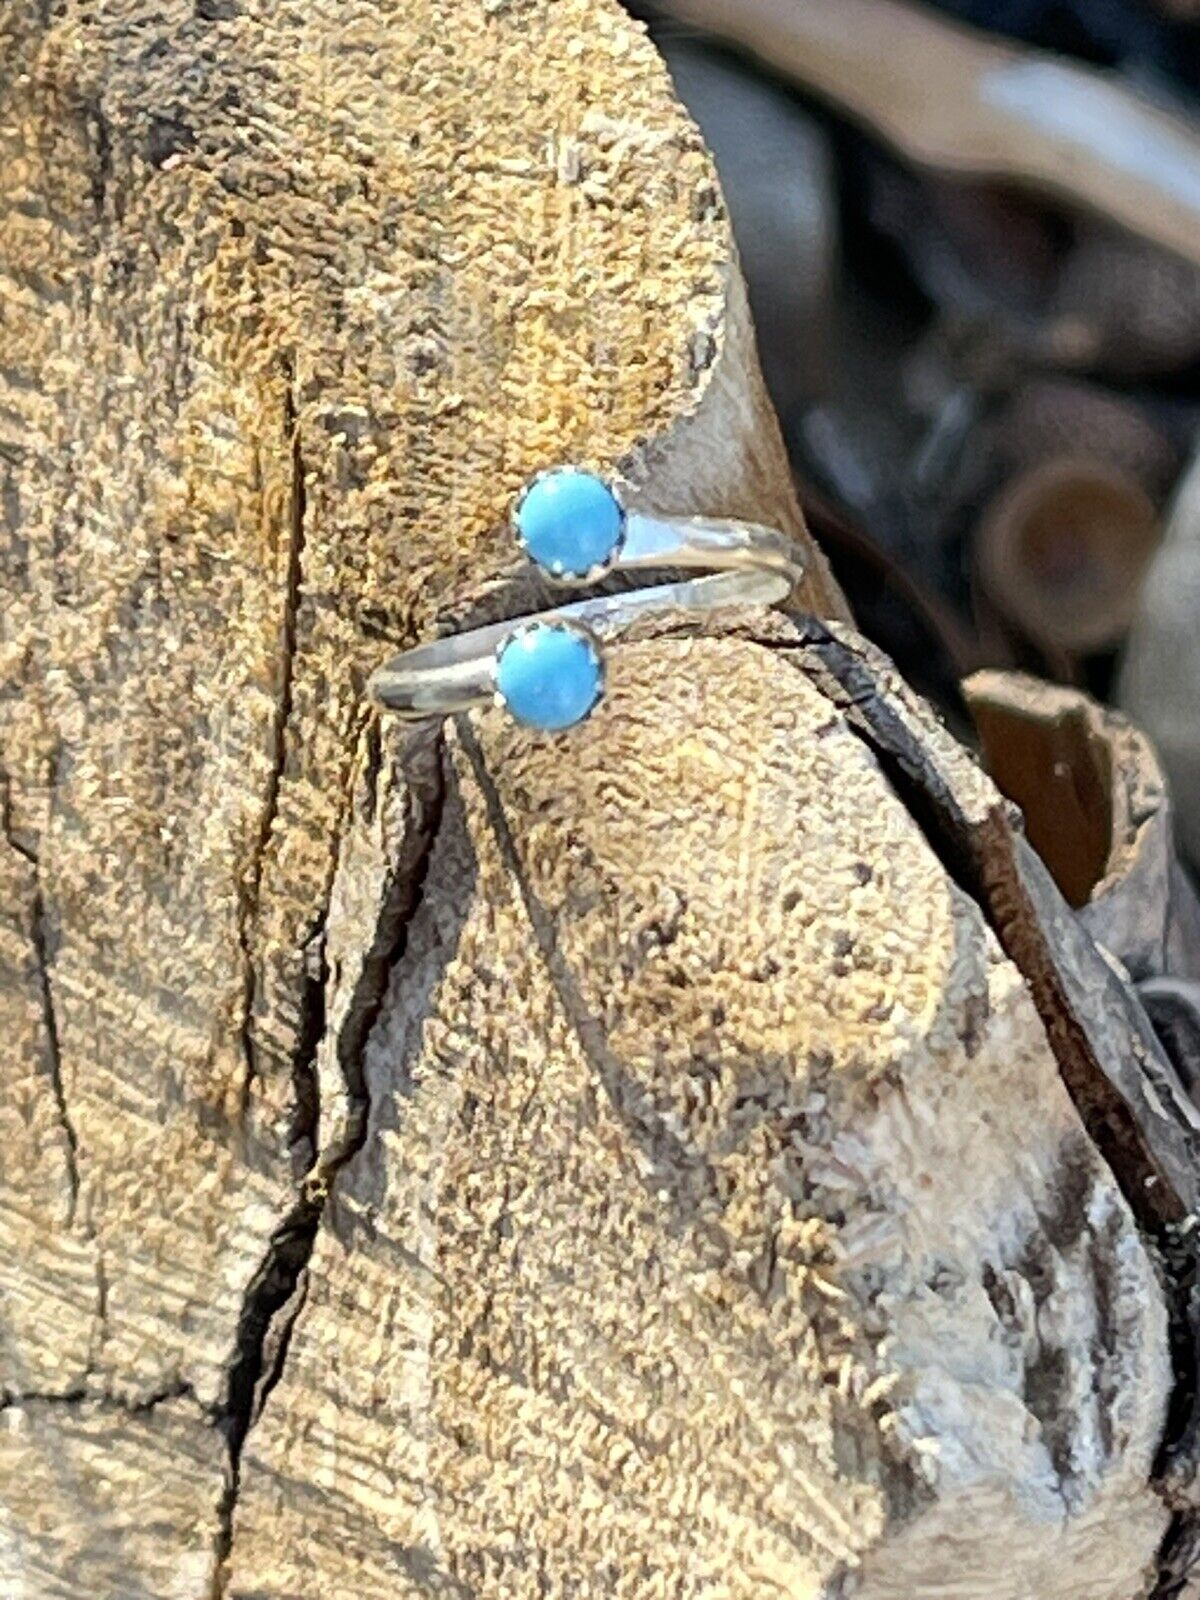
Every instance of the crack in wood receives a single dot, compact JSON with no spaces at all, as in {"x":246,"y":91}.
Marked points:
{"x":277,"y":1292}
{"x":40,"y":942}
{"x":81,"y":1395}
{"x":7,"y":824}
{"x":252,"y":896}
{"x":42,"y":954}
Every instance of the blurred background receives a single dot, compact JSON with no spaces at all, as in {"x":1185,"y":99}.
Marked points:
{"x":971,"y":233}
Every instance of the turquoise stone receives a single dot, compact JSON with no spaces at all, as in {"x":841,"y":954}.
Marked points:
{"x":569,"y":521}
{"x":549,"y":676}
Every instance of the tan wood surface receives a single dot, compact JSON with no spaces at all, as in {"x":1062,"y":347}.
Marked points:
{"x":722,"y":1225}
{"x":292,"y":299}
{"x":463,"y":1163}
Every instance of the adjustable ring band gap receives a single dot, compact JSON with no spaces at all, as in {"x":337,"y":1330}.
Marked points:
{"x":549,"y":668}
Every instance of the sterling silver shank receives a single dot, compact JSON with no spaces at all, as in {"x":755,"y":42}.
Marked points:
{"x":744,"y":565}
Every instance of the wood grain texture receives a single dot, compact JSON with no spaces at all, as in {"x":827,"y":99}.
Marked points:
{"x":455,"y":1162}
{"x":293,"y":297}
{"x":100,"y":1499}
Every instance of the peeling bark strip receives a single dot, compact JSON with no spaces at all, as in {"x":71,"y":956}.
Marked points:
{"x":1050,"y":747}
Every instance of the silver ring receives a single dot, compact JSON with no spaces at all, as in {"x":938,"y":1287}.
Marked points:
{"x":548,"y":669}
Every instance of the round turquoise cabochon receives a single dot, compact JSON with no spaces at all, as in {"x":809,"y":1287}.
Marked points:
{"x":549,"y":676}
{"x":570,"y":521}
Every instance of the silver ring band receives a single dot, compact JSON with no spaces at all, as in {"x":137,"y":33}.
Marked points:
{"x":743,"y":565}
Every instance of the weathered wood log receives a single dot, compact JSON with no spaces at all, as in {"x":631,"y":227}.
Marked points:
{"x":456,"y":1162}
{"x":1061,"y":551}
{"x":293,"y":300}
{"x":657,"y":1257}
{"x":1096,"y":807}
{"x":1095,"y":800}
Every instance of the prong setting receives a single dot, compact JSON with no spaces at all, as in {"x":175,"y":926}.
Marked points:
{"x":571,"y":523}
{"x":549,"y":674}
